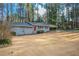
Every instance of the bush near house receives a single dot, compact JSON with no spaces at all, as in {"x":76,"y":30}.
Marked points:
{"x":76,"y":28}
{"x":52,"y":28}
{"x":41,"y":31}
{"x":13,"y":33}
{"x":5,"y":36}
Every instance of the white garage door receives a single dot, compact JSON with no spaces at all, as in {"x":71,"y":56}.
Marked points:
{"x":22,"y":31}
{"x":19,"y":31}
{"x":28,"y":30}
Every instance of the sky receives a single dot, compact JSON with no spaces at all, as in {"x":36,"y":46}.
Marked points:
{"x":13,"y":8}
{"x":41,"y":10}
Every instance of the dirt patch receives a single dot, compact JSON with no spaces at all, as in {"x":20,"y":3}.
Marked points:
{"x":51,"y":43}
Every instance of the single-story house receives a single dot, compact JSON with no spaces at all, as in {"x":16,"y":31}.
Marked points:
{"x":29,"y":28}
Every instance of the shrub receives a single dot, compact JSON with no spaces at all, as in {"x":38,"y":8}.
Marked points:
{"x":76,"y":28}
{"x":53,"y":28}
{"x":5,"y":41}
{"x":13,"y":33}
{"x":41,"y":31}
{"x":5,"y":34}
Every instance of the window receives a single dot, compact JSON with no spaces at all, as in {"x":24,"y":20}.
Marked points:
{"x":46,"y":27}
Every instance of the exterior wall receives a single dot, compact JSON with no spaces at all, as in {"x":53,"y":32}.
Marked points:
{"x":42,"y":28}
{"x":26,"y":28}
{"x":22,"y":31}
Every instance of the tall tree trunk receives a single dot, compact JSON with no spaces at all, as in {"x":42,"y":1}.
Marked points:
{"x":46,"y":13}
{"x":74,"y":17}
{"x":20,"y":12}
{"x":7,"y":12}
{"x":2,"y":12}
{"x":32,"y":12}
{"x":28,"y":17}
{"x":37,"y":13}
{"x":11,"y":18}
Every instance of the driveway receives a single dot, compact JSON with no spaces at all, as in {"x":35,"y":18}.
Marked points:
{"x":45,"y":44}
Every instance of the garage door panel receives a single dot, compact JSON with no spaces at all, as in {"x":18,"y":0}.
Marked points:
{"x":19,"y":31}
{"x":28,"y":30}
{"x":22,"y":31}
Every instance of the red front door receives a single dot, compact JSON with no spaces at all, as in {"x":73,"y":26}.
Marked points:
{"x":34,"y":28}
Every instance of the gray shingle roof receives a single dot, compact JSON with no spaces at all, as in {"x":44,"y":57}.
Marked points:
{"x":22,"y":24}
